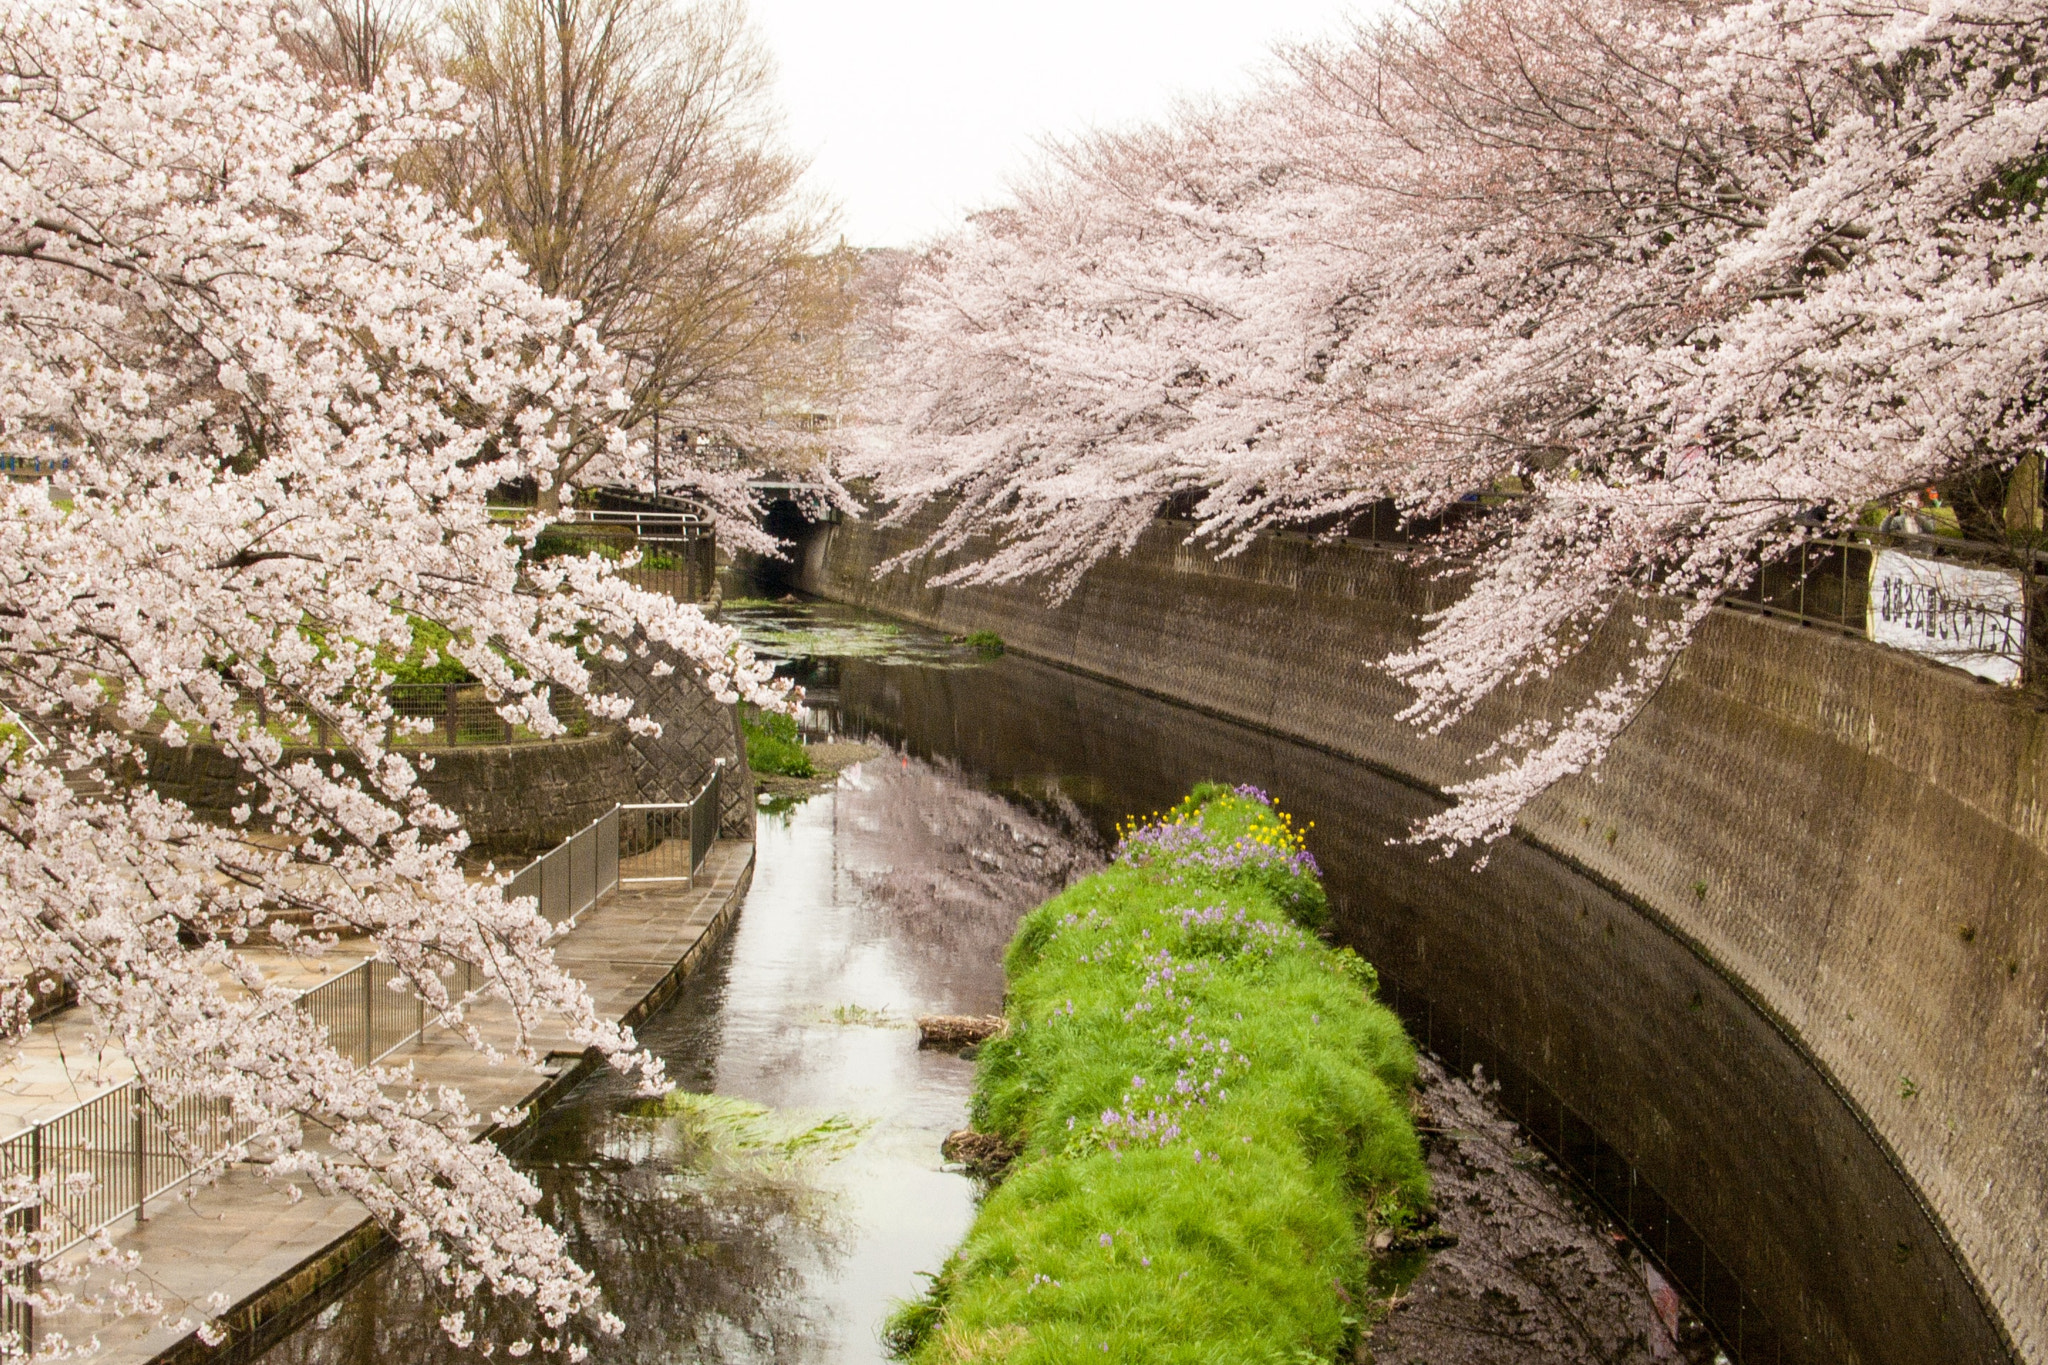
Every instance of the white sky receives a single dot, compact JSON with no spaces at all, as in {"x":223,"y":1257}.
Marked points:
{"x":916,"y":111}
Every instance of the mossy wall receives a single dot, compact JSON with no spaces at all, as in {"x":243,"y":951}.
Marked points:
{"x":1857,"y":838}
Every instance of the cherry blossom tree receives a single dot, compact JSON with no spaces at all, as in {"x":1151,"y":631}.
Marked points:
{"x":1699,"y":282}
{"x":282,"y":383}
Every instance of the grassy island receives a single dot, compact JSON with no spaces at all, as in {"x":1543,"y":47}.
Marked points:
{"x":1210,"y":1110}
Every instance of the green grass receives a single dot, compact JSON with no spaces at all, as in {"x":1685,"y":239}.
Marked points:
{"x":772,"y":744}
{"x":427,"y":660}
{"x":1236,"y":1230}
{"x":987,"y":642}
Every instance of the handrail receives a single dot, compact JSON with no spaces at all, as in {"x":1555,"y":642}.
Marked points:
{"x":132,"y":1160}
{"x":656,"y":826}
{"x":573,"y":875}
{"x":1819,"y":582}
{"x":108,"y":1135}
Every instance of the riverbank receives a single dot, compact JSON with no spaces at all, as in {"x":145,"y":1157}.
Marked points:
{"x":1210,"y":1111}
{"x":1817,"y":786}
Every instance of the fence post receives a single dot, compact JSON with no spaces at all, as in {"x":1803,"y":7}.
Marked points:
{"x":369,"y":1013}
{"x":454,"y":717}
{"x":1845,"y":585}
{"x":141,"y":1159}
{"x":35,"y":1223}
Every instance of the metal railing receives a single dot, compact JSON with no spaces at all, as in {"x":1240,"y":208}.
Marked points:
{"x":1825,"y":581}
{"x":132,"y":1150}
{"x":127,"y":1150}
{"x":666,"y":842}
{"x":645,"y":523}
{"x":570,"y":877}
{"x":463,"y":713}
{"x":366,"y":1020}
{"x":450,"y":714}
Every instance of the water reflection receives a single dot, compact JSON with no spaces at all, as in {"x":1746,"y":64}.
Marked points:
{"x":888,"y":897}
{"x":1622,"y":1053}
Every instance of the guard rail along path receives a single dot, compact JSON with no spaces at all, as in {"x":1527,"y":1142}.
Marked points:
{"x":105,"y":1159}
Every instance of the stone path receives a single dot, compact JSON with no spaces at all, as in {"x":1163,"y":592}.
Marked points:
{"x":243,"y":1239}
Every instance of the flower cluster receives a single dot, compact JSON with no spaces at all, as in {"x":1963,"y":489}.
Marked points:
{"x":1220,"y":835}
{"x":1184,"y":843}
{"x":1162,"y":973}
{"x":1222,"y":931}
{"x":1151,"y":1115}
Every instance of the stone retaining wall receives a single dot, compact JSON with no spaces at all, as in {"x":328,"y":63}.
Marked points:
{"x":1857,"y":837}
{"x":517,"y":800}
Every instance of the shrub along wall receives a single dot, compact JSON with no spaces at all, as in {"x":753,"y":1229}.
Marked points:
{"x":1212,"y":1112}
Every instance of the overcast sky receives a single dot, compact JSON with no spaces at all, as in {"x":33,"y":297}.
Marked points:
{"x":915,"y":111}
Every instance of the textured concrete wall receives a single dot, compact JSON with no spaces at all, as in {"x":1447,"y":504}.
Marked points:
{"x":1870,"y":828}
{"x":696,"y":731}
{"x":523,"y":799}
{"x":514,"y":799}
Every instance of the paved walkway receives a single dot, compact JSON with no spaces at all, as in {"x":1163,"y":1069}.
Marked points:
{"x":243,"y":1239}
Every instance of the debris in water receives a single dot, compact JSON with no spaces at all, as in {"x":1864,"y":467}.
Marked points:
{"x":981,"y":1153}
{"x":959,"y":1030}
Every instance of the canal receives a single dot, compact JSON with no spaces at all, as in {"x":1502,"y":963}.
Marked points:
{"x":777,"y":1207}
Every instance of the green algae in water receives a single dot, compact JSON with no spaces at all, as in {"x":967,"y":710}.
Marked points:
{"x":860,"y":1016}
{"x":718,"y":1132}
{"x":785,"y":631}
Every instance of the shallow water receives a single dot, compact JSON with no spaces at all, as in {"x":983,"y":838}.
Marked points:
{"x":783,"y":1221}
{"x":889,"y":897}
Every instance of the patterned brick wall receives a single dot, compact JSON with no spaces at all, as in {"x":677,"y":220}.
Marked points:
{"x":696,"y":731}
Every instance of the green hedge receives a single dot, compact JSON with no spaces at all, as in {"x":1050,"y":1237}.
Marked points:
{"x":1212,"y":1112}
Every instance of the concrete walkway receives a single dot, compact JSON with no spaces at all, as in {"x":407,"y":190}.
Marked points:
{"x":243,"y":1239}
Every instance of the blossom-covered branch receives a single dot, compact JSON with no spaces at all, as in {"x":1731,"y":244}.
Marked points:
{"x":1695,"y":282}
{"x":282,"y":384}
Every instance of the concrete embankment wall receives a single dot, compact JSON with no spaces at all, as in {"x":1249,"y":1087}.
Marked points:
{"x":1857,"y":838}
{"x":522,"y":799}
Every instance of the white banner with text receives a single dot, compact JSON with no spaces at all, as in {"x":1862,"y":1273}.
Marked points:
{"x":1972,"y":619}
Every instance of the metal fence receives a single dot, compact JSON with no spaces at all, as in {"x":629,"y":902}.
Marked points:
{"x":464,"y":714}
{"x":366,"y":1020}
{"x":452,"y":713}
{"x":667,"y":842}
{"x":1823,"y":582}
{"x":687,"y":576}
{"x":127,"y":1150}
{"x":647,"y":523}
{"x":132,"y":1151}
{"x":1826,"y":582}
{"x":570,"y":877}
